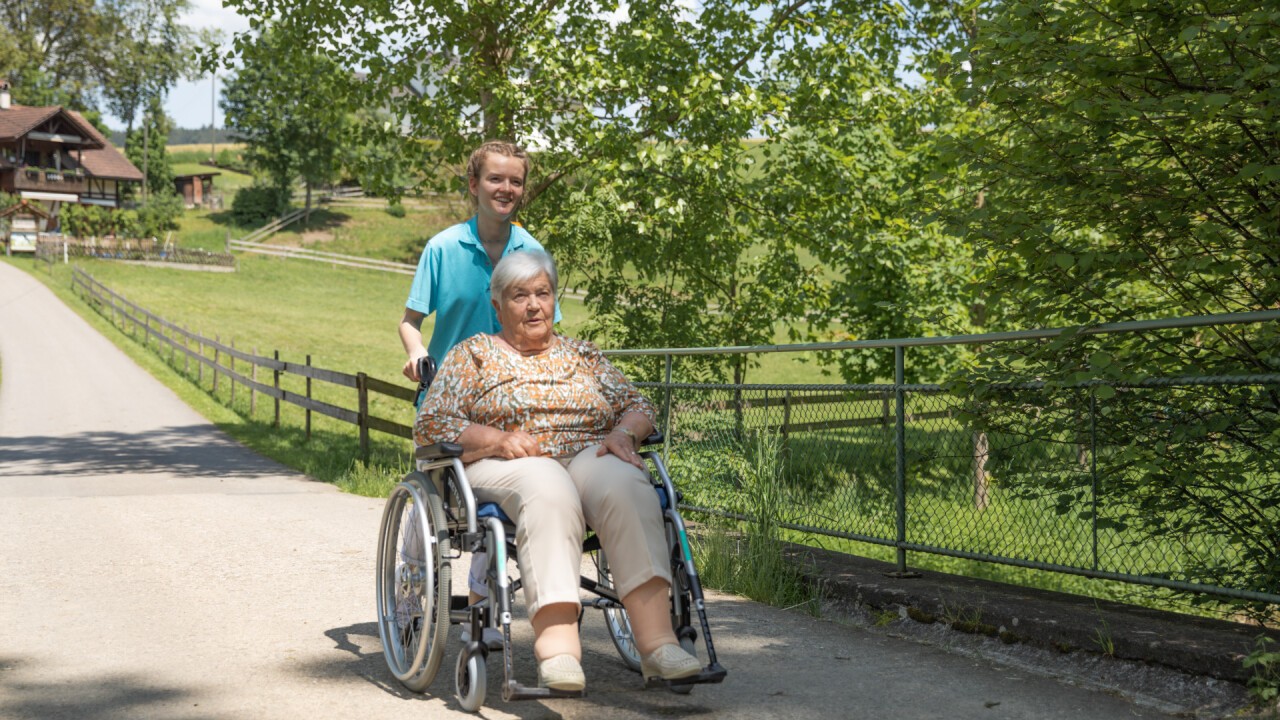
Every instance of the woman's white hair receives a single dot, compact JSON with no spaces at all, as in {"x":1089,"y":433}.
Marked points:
{"x":521,"y":266}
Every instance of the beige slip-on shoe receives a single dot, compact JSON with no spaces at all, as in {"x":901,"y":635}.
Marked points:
{"x":561,"y":672}
{"x":669,"y":662}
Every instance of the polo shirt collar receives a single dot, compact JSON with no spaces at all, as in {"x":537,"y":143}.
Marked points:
{"x":472,"y":238}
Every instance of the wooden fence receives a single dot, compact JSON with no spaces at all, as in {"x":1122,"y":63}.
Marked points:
{"x":150,"y":250}
{"x":176,"y":341}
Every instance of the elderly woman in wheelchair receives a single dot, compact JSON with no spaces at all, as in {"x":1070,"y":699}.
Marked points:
{"x":547,"y":429}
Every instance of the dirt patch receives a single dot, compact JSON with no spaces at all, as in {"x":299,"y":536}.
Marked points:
{"x":313,"y":237}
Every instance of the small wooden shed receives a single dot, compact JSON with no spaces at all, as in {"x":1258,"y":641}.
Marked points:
{"x":21,"y":225}
{"x":196,"y":189}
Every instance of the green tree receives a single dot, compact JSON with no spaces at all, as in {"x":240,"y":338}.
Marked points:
{"x":646,"y":186}
{"x":51,"y":50}
{"x":146,"y":149}
{"x":149,"y":54}
{"x":289,"y":108}
{"x":1130,"y":169}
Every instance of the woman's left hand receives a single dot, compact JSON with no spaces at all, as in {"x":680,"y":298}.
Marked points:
{"x":621,"y":444}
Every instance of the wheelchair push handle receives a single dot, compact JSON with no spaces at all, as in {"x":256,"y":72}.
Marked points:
{"x":427,"y":367}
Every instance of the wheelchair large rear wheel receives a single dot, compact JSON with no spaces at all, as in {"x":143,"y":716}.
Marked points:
{"x":413,"y":582}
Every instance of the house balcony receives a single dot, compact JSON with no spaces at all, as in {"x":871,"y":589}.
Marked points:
{"x":43,"y":180}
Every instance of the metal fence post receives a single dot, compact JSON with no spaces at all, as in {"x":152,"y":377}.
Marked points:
{"x":1093,"y":466}
{"x":667,"y":423}
{"x":900,"y":455}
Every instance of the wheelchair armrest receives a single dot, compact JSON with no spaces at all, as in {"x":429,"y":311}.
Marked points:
{"x":437,"y":451}
{"x":655,"y":438}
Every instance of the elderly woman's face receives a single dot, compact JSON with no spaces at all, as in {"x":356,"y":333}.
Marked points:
{"x":527,"y":311}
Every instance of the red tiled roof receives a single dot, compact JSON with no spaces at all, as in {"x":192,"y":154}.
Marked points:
{"x":19,"y":120}
{"x":106,"y":162}
{"x":99,"y":157}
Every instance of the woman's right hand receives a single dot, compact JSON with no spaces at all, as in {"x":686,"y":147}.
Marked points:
{"x":517,"y":444}
{"x":481,"y":441}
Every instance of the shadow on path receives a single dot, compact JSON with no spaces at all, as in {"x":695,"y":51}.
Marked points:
{"x":100,"y":698}
{"x":184,"y":451}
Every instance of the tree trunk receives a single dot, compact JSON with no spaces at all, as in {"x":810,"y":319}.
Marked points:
{"x":980,"y":496}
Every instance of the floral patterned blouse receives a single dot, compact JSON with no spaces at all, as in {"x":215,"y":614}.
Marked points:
{"x":567,"y":398}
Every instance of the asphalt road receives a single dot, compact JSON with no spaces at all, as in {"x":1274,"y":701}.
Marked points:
{"x":153,"y":568}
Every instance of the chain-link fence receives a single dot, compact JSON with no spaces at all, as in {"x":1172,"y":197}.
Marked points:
{"x":1157,"y":479}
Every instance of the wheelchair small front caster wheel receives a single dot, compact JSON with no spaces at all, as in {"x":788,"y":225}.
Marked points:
{"x":471,"y":680}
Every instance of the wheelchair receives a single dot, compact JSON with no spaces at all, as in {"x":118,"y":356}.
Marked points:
{"x":432,"y":517}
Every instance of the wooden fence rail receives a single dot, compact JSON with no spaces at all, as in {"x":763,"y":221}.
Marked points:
{"x":173,"y":340}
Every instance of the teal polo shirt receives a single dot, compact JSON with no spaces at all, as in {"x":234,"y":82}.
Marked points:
{"x":453,"y":282}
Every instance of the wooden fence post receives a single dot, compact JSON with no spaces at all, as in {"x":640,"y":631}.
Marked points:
{"x":786,"y":415}
{"x":275,"y":381}
{"x":308,"y":397}
{"x":217,"y":362}
{"x":231,"y":358}
{"x":200,"y":365}
{"x":362,"y":396}
{"x":253,"y":389}
{"x":186,"y":354}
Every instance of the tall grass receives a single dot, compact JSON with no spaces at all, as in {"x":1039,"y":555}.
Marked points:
{"x":747,"y":558}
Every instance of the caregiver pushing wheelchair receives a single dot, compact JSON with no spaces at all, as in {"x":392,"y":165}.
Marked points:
{"x":529,"y":441}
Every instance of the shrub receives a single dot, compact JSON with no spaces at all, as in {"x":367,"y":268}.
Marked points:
{"x":258,"y":204}
{"x":159,"y":215}
{"x":232,"y":160}
{"x":395,"y":210}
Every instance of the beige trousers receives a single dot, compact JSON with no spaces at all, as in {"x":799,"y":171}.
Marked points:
{"x":553,"y":503}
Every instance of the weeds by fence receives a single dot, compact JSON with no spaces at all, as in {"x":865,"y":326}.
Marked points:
{"x":184,"y":348}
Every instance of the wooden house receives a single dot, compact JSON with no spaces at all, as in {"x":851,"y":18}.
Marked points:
{"x":53,"y":155}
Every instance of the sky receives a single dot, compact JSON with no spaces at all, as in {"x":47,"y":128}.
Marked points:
{"x":191,"y":104}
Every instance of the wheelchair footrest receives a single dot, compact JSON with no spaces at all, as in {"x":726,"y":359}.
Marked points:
{"x":710,"y":674}
{"x":516,"y":691}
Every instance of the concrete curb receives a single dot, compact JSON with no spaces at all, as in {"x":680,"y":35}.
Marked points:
{"x":1050,"y":620}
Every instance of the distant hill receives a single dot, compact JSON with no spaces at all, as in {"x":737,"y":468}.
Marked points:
{"x":185,"y":136}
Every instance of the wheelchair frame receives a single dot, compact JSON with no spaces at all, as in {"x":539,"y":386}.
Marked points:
{"x":416,"y":606}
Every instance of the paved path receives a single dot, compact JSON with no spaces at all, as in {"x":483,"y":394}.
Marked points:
{"x":151,"y":567}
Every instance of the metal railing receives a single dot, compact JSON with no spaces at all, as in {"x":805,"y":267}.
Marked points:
{"x":1048,"y":475}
